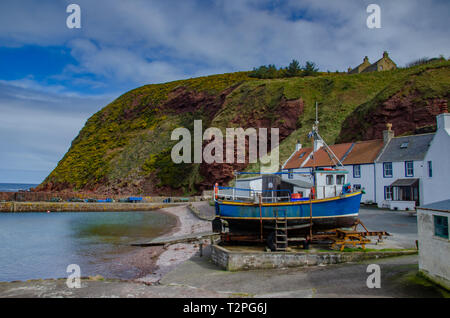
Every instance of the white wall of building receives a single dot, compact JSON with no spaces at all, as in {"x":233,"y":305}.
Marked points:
{"x":434,"y":252}
{"x":398,"y":172}
{"x":437,"y":187}
{"x":366,"y":180}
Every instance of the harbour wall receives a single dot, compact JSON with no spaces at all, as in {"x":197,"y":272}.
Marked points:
{"x":28,"y":196}
{"x":12,"y":207}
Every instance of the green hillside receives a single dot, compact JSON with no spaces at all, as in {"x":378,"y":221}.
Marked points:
{"x":125,"y":147}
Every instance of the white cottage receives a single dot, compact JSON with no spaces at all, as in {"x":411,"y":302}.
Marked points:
{"x":399,"y":170}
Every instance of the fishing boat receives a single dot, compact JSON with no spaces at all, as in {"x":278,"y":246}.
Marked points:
{"x":264,"y":212}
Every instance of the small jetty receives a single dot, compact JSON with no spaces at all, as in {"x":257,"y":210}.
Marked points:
{"x":167,"y":240}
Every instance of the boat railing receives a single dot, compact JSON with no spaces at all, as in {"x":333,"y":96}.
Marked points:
{"x":251,"y":195}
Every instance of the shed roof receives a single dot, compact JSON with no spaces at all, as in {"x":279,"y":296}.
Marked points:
{"x":299,"y":183}
{"x":440,"y":206}
{"x":405,"y":148}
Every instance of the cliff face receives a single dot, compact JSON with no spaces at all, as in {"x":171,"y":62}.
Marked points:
{"x":125,"y":148}
{"x":410,"y":105}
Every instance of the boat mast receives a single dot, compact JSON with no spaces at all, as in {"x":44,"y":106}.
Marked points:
{"x":315,"y":135}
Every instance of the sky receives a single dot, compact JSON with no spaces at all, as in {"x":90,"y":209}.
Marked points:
{"x":53,"y":78}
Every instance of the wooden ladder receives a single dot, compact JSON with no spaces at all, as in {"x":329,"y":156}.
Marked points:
{"x":281,"y":235}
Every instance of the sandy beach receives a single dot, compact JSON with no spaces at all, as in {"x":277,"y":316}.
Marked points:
{"x":157,"y":261}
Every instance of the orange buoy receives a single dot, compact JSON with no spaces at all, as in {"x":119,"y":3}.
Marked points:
{"x":216,"y":190}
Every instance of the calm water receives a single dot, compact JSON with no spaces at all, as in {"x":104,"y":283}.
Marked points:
{"x":14,"y":187}
{"x":40,"y":245}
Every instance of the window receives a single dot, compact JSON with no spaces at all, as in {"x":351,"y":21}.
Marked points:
{"x":409,"y":169}
{"x":302,"y":155}
{"x":387,"y":169}
{"x":340,"y":179}
{"x":441,"y":226}
{"x":356,"y":171}
{"x":404,"y":145}
{"x":357,"y":187}
{"x":430,"y":169}
{"x":330,"y":179}
{"x":291,"y":174}
{"x":388,"y":193}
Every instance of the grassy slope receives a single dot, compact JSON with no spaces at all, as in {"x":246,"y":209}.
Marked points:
{"x":130,"y":137}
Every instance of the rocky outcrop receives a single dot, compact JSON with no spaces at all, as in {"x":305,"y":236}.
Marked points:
{"x":288,"y":112}
{"x":408,"y":114}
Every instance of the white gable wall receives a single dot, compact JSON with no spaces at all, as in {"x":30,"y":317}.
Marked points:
{"x":437,"y":188}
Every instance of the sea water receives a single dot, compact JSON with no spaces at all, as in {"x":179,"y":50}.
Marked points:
{"x":42,"y":245}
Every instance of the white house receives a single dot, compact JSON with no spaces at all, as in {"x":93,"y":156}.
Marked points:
{"x":436,"y":179}
{"x":399,"y":170}
{"x":434,"y":243}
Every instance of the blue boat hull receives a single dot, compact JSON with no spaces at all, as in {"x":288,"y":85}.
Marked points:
{"x":326,"y":213}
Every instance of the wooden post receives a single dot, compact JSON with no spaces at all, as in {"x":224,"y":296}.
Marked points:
{"x":310,"y":216}
{"x":260,"y":218}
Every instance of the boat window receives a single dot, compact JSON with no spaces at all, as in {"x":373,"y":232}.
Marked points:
{"x":330,"y":180}
{"x":340,"y":179}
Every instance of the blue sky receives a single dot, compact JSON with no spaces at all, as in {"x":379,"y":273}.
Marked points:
{"x":52,"y":79}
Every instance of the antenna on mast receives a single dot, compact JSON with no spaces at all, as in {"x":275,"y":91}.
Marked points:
{"x":315,"y":135}
{"x":317,"y":117}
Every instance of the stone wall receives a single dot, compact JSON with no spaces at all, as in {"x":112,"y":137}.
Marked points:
{"x":238,"y":261}
{"x":80,"y":207}
{"x":28,"y":196}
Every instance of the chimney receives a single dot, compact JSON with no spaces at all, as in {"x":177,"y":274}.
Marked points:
{"x":388,"y":134}
{"x":366,"y":59}
{"x":317,"y":144}
{"x":298,"y":146}
{"x":443,"y":119}
{"x":385,"y":54}
{"x":443,"y":106}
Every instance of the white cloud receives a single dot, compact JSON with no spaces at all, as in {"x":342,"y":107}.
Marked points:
{"x":149,"y":41}
{"x":36,"y":127}
{"x":130,"y":43}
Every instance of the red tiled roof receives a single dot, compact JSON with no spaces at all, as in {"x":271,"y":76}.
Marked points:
{"x":364,"y":152}
{"x":351,"y":153}
{"x":295,"y":161}
{"x":321,"y":158}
